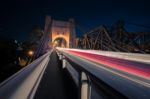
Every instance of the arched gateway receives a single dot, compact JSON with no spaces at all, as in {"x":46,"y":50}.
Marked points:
{"x":61,"y":33}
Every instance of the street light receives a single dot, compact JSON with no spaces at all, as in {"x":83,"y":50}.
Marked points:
{"x":30,"y":53}
{"x":30,"y":58}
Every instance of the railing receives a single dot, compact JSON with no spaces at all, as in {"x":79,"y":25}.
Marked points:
{"x":83,"y":79}
{"x":94,"y":79}
{"x":24,"y":83}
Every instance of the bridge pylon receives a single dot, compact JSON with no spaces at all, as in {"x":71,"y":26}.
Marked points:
{"x":60,"y":33}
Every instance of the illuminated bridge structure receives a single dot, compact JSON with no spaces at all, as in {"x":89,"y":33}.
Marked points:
{"x":95,"y":67}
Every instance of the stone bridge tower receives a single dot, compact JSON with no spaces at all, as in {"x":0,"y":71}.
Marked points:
{"x":60,"y":33}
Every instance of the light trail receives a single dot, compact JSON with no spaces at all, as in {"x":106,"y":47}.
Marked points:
{"x":138,"y":57}
{"x":118,"y":64}
{"x":129,"y":78}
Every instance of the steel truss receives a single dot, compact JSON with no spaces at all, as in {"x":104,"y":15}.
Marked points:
{"x":119,"y":40}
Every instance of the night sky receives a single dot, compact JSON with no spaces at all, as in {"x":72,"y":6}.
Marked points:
{"x":17,"y":17}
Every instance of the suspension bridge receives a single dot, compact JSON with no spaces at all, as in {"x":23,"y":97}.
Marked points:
{"x":104,"y":64}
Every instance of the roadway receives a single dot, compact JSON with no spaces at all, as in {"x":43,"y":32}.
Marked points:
{"x":56,"y":83}
{"x":130,"y":78}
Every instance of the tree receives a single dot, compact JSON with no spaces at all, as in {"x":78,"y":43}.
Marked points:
{"x":9,"y":52}
{"x":34,"y":37}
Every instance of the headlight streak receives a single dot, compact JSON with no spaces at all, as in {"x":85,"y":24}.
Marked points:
{"x":110,"y":62}
{"x":130,"y":69}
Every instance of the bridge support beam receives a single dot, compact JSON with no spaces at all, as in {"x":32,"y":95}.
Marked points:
{"x":85,"y":86}
{"x":60,"y":56}
{"x":63,"y":62}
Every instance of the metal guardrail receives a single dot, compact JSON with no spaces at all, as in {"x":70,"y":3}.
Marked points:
{"x":23,"y":84}
{"x":101,"y":80}
{"x":85,"y":78}
{"x":81,"y":79}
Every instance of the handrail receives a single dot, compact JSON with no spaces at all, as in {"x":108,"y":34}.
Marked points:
{"x":23,"y":84}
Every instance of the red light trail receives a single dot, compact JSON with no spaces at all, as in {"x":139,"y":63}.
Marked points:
{"x":130,"y":67}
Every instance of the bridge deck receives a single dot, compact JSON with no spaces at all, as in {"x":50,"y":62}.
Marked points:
{"x":55,"y":83}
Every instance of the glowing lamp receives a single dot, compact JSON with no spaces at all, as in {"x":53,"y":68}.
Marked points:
{"x":30,"y":53}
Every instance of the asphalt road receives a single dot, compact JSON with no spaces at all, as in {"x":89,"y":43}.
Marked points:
{"x":56,"y":83}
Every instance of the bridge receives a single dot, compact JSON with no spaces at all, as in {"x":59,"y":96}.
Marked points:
{"x":99,"y":66}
